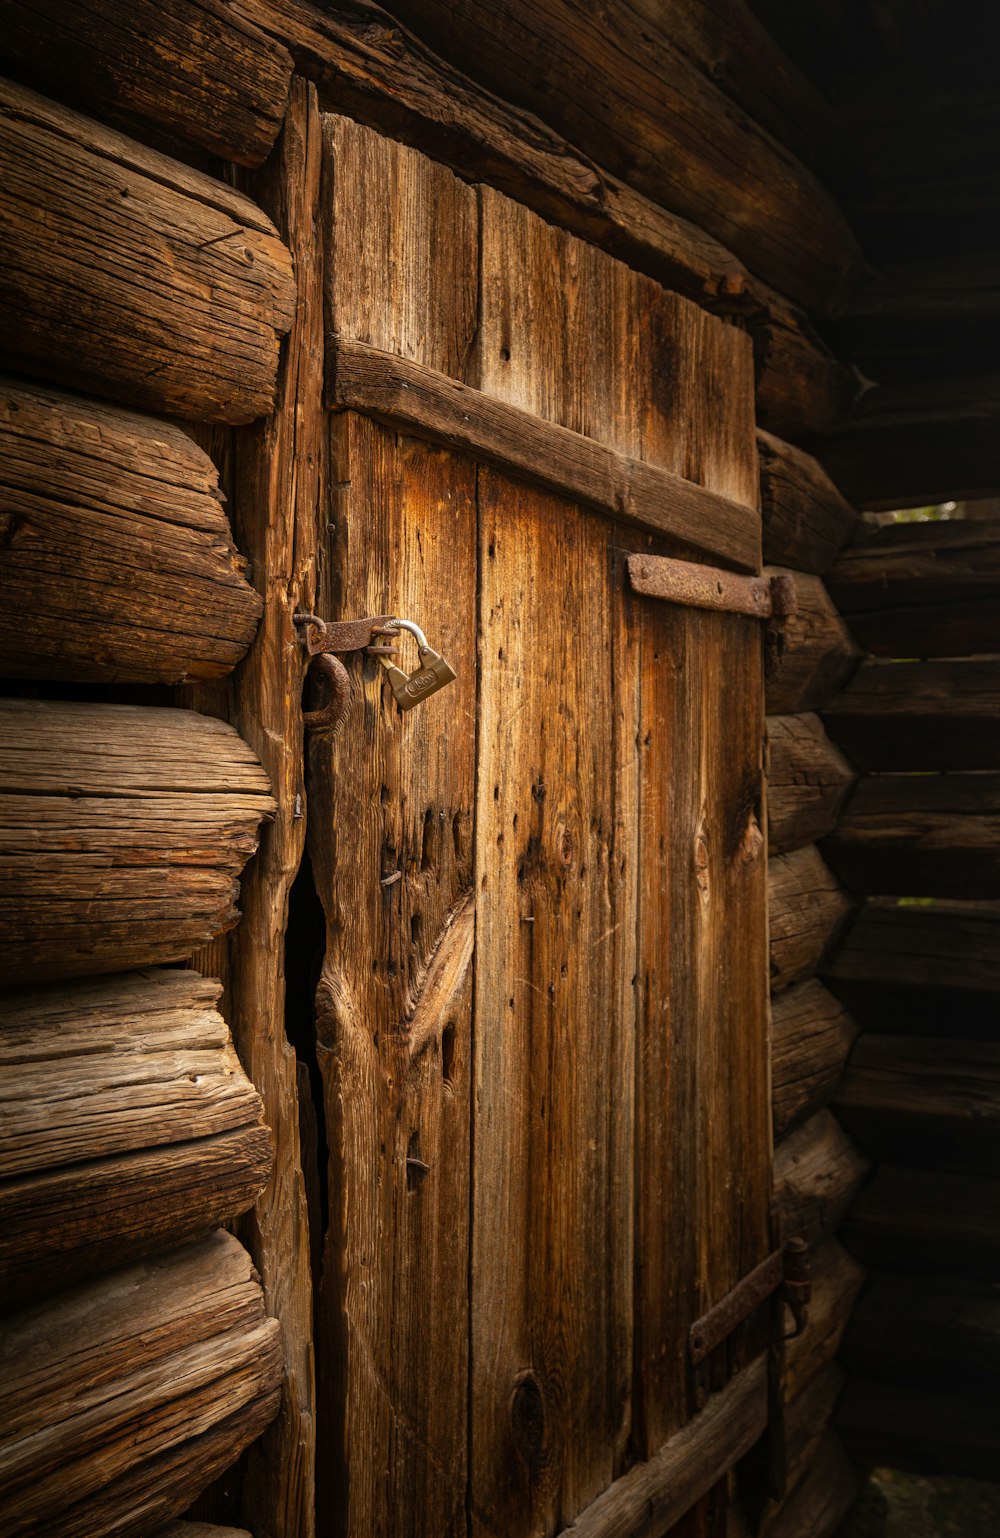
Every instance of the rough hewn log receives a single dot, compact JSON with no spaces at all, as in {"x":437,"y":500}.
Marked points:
{"x":818,"y":1170}
{"x":806,"y":520}
{"x":127,"y":1124}
{"x":199,"y":1530}
{"x":928,"y":1332}
{"x":124,"y":1397}
{"x":122,"y":830}
{"x":132,"y":508}
{"x":807,"y":908}
{"x":821,"y":1499}
{"x":127,"y":274}
{"x":919,"y":442}
{"x":923,"y":589}
{"x":935,"y":835}
{"x":818,"y":653}
{"x":933,"y":968}
{"x":807,"y":1419}
{"x":188,"y":67}
{"x":927,"y":1221}
{"x":811,"y":1035}
{"x":836,"y":1282}
{"x":919,"y":715}
{"x":910,"y":1428}
{"x":641,"y":109}
{"x":808,"y":781}
{"x":802,"y":389}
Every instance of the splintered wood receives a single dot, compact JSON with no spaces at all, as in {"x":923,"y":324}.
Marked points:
{"x":542,"y":1013}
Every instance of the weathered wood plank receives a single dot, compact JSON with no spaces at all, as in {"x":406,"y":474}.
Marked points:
{"x":818,"y":1170}
{"x":806,"y":520}
{"x":199,"y":1530}
{"x":836,"y":1282}
{"x":821,"y":1499}
{"x":919,"y":1429}
{"x":192,"y":290}
{"x":932,"y":968}
{"x":132,"y":508}
{"x":188,"y":67}
{"x":808,"y":1418}
{"x":392,"y":853}
{"x":808,"y":782}
{"x":923,"y":589}
{"x":927,"y":1221}
{"x":928,"y":1332}
{"x":908,"y":1099}
{"x":124,"y":1397}
{"x":647,"y":1501}
{"x":128,"y":1124}
{"x":808,"y":909}
{"x":811,"y":1035}
{"x":123,"y":831}
{"x":919,"y":715}
{"x":680,"y":144}
{"x":926,"y":835}
{"x":818,"y":653}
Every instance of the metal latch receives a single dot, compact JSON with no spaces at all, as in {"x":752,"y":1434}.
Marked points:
{"x":787,"y":1268}
{"x":323,"y":639}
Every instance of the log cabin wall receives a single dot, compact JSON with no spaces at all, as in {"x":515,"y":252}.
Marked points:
{"x":122,"y":422}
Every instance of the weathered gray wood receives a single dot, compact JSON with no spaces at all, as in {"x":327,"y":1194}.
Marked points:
{"x":808,"y":909}
{"x":817,"y":653}
{"x":836,"y":1282}
{"x":919,"y":715}
{"x":122,"y":830}
{"x":182,"y":308}
{"x":811,"y":1035}
{"x":928,"y":1332}
{"x":127,"y":1124}
{"x":131,"y":508}
{"x":920,"y":835}
{"x":910,"y":1428}
{"x":932,"y":968}
{"x":821,"y":1499}
{"x":927,"y":1221}
{"x":124,"y":1397}
{"x":648,"y":1500}
{"x":190,"y":68}
{"x":802,"y":388}
{"x":923,"y":589}
{"x":806,"y":520}
{"x":808,"y":781}
{"x":818,"y":1169}
{"x":903,"y":1096}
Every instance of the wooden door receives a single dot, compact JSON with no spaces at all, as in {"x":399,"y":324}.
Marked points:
{"x":542,"y":1015}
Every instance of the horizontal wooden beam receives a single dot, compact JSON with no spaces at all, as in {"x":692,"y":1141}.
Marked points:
{"x":821,"y":1498}
{"x":132,"y":508}
{"x":126,"y":274}
{"x":817,"y":653}
{"x":928,"y":1221}
{"x":803,"y":389}
{"x":928,"y":1332}
{"x":178,"y":1346}
{"x":647,"y":1500}
{"x":807,"y":908}
{"x":806,"y":520}
{"x":912,"y":716}
{"x":123,"y":830}
{"x":191,"y":69}
{"x":126,"y":1124}
{"x":811,"y":1035}
{"x":818,"y":1170}
{"x":928,"y":1432}
{"x":923,"y":589}
{"x":921,"y":835}
{"x":808,"y":781}
{"x":423,"y":401}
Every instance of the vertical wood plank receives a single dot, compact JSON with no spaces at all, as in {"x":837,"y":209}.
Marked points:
{"x":390,"y":838}
{"x":551,"y":1284}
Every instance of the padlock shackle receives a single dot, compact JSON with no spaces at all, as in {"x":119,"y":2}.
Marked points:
{"x":414,"y":630}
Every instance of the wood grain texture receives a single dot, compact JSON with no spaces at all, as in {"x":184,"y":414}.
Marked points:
{"x":818,"y":1170}
{"x":904,"y":1098}
{"x":818,"y":653}
{"x":806,"y":520}
{"x":808,"y":1418}
{"x":125,"y":1396}
{"x":280,"y":475}
{"x":836,"y":1281}
{"x":188,"y":68}
{"x":823,"y":1496}
{"x":919,"y":715}
{"x":128,"y":1124}
{"x":924,"y":1430}
{"x":811,"y":1035}
{"x":192,"y":289}
{"x":928,"y":1332}
{"x":927,"y":835}
{"x":808,"y":782}
{"x":928,"y":1221}
{"x":808,"y":909}
{"x":933,"y":968}
{"x":132,"y":508}
{"x":124,"y":830}
{"x":923,"y":590}
{"x":199,"y":1530}
{"x":802,"y":387}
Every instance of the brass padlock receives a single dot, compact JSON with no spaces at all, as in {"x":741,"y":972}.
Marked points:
{"x":432,"y":674}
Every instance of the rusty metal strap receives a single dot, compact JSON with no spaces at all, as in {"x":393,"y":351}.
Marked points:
{"x":706,"y":587}
{"x":787,"y":1268}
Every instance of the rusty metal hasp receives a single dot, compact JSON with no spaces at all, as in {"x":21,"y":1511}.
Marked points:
{"x":787,"y":1268}
{"x":323,"y":639}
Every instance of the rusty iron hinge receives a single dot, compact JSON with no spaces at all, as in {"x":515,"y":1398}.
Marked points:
{"x":787,"y":1268}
